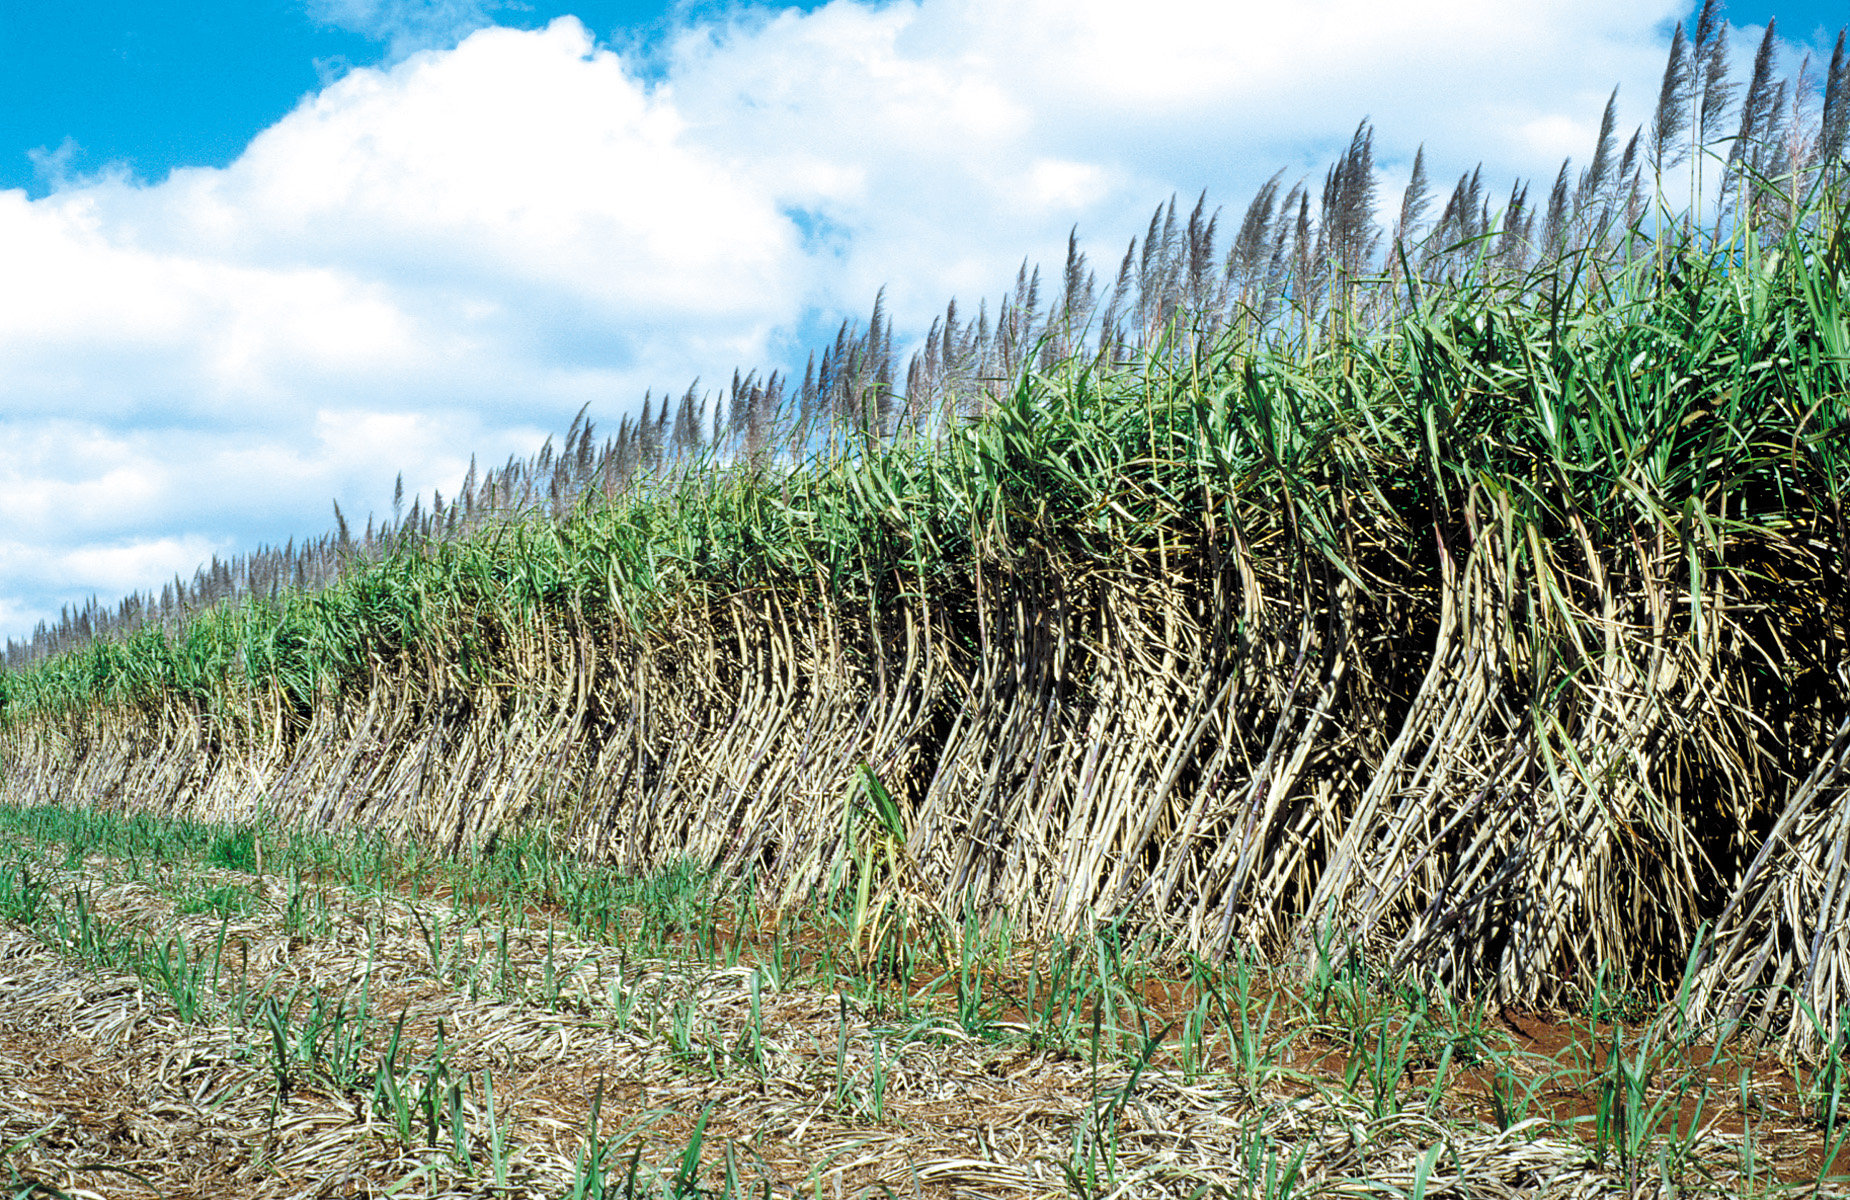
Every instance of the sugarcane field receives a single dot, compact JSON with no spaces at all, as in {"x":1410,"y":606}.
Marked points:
{"x":1322,"y":707}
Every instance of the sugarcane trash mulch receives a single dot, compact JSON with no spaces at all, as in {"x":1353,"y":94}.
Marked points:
{"x":104,"y":1091}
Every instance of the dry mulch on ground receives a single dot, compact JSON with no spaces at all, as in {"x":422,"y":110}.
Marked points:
{"x":106,"y":1092}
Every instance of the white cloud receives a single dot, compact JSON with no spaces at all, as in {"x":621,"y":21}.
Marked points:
{"x":124,"y":568}
{"x":950,"y":137}
{"x":452,"y":254}
{"x":109,"y":571}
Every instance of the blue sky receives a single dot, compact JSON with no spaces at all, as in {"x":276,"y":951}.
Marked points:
{"x":1810,"y":21}
{"x":264,"y":254}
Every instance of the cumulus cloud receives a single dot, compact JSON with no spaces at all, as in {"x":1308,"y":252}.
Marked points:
{"x":451,"y":254}
{"x":950,"y":137}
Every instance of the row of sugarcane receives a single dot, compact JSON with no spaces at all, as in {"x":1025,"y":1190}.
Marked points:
{"x":1503,"y":647}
